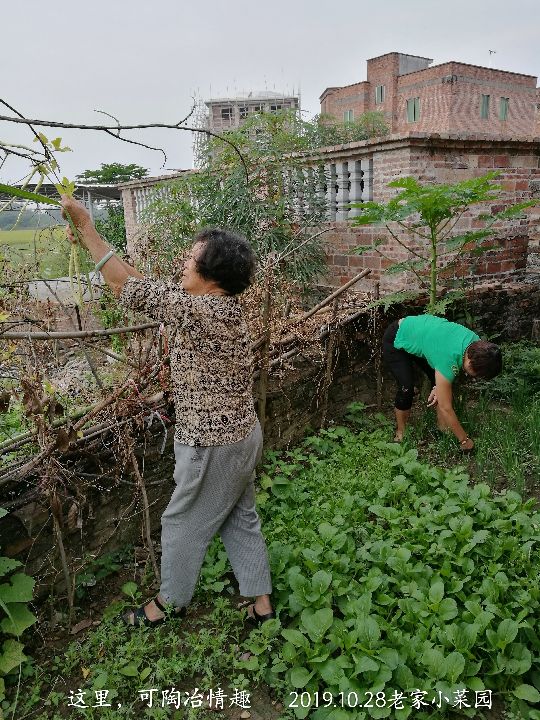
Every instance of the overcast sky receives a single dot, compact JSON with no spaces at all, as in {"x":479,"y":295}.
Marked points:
{"x":143,"y":61}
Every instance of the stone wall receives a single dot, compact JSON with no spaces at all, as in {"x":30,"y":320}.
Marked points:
{"x":110,"y":514}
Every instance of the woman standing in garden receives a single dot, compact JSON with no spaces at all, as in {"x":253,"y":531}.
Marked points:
{"x":441,"y":349}
{"x":218,"y":439}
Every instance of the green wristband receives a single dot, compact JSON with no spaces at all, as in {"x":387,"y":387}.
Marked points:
{"x":103,"y":260}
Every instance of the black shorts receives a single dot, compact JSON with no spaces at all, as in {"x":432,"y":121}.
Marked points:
{"x":401,"y":365}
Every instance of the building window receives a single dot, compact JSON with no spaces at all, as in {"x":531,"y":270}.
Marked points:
{"x":413,"y":109}
{"x":226,"y":113}
{"x":503,"y":108}
{"x":243,"y":112}
{"x":256,"y":108}
{"x":484,"y":107}
{"x":379,"y":94}
{"x":348,"y":116}
{"x":275,"y":108}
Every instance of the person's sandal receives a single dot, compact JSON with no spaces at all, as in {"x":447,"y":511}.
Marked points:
{"x":141,"y":618}
{"x":257,"y":619}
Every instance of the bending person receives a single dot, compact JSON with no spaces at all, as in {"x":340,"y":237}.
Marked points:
{"x":441,"y":349}
{"x":217,"y":439}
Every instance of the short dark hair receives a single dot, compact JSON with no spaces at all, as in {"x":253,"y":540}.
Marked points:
{"x":485,"y":358}
{"x":227,"y":258}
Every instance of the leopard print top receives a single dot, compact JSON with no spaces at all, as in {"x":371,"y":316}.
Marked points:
{"x":211,"y":360}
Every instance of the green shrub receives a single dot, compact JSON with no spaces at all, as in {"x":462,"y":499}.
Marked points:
{"x":112,"y":227}
{"x":14,"y":596}
{"x":519,"y":380}
{"x":100,"y":568}
{"x":111,"y":314}
{"x":13,"y":421}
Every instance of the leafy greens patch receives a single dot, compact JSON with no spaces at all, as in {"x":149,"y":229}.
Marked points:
{"x":393,"y":575}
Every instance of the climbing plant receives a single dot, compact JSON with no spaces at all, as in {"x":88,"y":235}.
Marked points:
{"x":424,"y":220}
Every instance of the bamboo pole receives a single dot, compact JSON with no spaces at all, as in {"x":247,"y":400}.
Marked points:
{"x":63,"y":560}
{"x":114,"y":355}
{"x":61,"y":335}
{"x":267,"y":319}
{"x":146,"y":516}
{"x":296,"y":321}
{"x":329,"y":363}
{"x":331,"y":297}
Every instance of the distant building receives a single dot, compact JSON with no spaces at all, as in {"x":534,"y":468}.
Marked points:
{"x":230,"y":113}
{"x":452,"y":97}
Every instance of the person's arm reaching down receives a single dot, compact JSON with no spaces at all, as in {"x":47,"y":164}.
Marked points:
{"x":446,"y":411}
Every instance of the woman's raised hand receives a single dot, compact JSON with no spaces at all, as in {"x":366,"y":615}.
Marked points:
{"x":76,"y":211}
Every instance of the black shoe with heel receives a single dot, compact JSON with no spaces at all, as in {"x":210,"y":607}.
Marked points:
{"x":257,"y":619}
{"x":141,"y":618}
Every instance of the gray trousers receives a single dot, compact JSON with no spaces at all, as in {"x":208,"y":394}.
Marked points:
{"x":214,"y":492}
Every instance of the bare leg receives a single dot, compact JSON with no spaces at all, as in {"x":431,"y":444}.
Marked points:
{"x":262,"y":604}
{"x":402,"y":417}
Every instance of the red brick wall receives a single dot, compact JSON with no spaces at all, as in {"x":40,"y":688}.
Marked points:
{"x":454,"y":105}
{"x":515,"y":242}
{"x":435,"y":100}
{"x":383,"y":71}
{"x":352,"y":97}
{"x":388,"y":166}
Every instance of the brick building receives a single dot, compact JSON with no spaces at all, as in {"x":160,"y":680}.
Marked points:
{"x":453,"y":97}
{"x":230,"y":113}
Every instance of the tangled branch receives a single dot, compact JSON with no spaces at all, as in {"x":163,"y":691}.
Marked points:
{"x":112,"y":129}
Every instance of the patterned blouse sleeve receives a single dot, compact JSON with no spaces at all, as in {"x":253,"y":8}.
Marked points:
{"x":159,"y":300}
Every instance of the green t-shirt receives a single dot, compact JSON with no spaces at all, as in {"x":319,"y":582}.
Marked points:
{"x":441,"y":342}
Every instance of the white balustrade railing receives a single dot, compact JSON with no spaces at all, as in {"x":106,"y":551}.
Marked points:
{"x":330,"y":172}
{"x":145,"y":196}
{"x":332,"y":185}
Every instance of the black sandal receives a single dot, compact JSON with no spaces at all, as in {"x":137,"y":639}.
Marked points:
{"x":141,"y":618}
{"x":257,"y":619}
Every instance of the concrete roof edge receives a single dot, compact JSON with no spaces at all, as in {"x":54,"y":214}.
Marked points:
{"x":342,"y":87}
{"x":152,"y":180}
{"x":396,"y":52}
{"x":426,"y":138}
{"x":458,"y":62}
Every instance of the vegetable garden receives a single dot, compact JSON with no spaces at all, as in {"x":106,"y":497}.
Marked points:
{"x":392,"y":578}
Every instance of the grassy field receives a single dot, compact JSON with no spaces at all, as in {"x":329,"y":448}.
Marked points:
{"x":37,"y":252}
